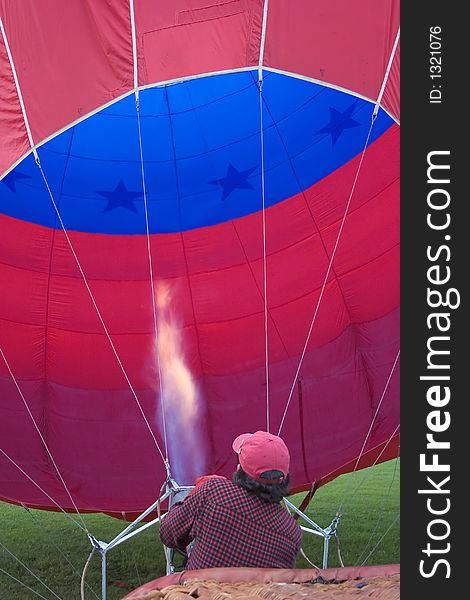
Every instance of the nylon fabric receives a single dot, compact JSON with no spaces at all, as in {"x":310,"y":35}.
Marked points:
{"x":202,"y":170}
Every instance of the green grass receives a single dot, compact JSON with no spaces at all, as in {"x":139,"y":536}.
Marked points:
{"x":48,"y":542}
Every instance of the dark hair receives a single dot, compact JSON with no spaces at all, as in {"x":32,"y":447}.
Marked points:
{"x":274,"y":492}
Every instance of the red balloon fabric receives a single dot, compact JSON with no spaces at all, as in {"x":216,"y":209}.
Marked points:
{"x":220,"y":256}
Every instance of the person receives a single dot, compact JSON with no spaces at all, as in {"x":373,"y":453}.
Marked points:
{"x":239,"y":523}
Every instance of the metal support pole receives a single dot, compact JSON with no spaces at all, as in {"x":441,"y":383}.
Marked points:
{"x":326,"y":534}
{"x":326,"y":547}
{"x":130,"y":531}
{"x":103,"y":575}
{"x":142,"y":516}
{"x":311,"y":531}
{"x":171,"y":489}
{"x":303,"y":516}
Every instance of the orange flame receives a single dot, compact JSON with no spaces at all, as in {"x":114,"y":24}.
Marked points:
{"x":180,"y":395}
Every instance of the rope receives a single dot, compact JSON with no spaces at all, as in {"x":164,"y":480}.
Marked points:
{"x":42,"y":439}
{"x":305,"y":557}
{"x":43,"y":491}
{"x":98,"y":311}
{"x":144,"y":189}
{"x":338,"y":237}
{"x":386,"y":495}
{"x":265,"y":279}
{"x":340,"y":509}
{"x":338,"y":548}
{"x":350,"y":479}
{"x":134,"y":46}
{"x":387,"y":72}
{"x":82,"y":580}
{"x":380,"y":541}
{"x":21,"y":583}
{"x":263,"y":293}
{"x":374,"y":115}
{"x":263,"y":38}
{"x":376,"y":109}
{"x":18,"y":89}
{"x":369,"y":473}
{"x":64,"y":556}
{"x":150,"y":262}
{"x":29,"y":571}
{"x":377,"y":411}
{"x":136,"y":568}
{"x":263,"y":196}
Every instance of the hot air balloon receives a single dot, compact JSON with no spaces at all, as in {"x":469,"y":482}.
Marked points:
{"x":199,"y":236}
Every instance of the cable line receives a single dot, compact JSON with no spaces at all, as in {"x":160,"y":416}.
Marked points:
{"x":386,"y":496}
{"x":340,"y":509}
{"x":265,"y":279}
{"x":21,"y":583}
{"x":42,"y":439}
{"x":29,"y":571}
{"x":380,"y":540}
{"x":57,"y":547}
{"x":79,"y":525}
{"x":330,"y":263}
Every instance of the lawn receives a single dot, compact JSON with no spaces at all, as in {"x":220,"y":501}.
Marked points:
{"x":55,"y":550}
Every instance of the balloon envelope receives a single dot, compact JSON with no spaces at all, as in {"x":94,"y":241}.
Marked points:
{"x":160,"y":257}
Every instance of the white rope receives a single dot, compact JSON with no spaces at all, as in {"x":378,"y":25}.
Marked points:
{"x":349,"y":496}
{"x":136,"y":568}
{"x":374,"y":115}
{"x":83,"y":575}
{"x":377,"y":410}
{"x":358,"y":459}
{"x":29,"y":571}
{"x":338,"y":237}
{"x":147,"y":229}
{"x":380,"y":540}
{"x":43,"y":491}
{"x":369,"y":472}
{"x":57,"y":547}
{"x":90,"y":293}
{"x":18,"y":89}
{"x":21,"y":583}
{"x":265,"y":275}
{"x":306,"y":558}
{"x":134,"y":48}
{"x":387,"y":72}
{"x":49,"y":453}
{"x":386,"y":496}
{"x":152,"y":283}
{"x":263,"y":39}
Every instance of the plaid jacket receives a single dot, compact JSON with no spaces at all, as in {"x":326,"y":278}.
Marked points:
{"x":231,"y":528}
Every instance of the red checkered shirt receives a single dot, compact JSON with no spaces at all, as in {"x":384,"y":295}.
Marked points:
{"x":231,"y":528}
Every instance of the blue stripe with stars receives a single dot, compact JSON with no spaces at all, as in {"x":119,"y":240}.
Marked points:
{"x":201,"y":145}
